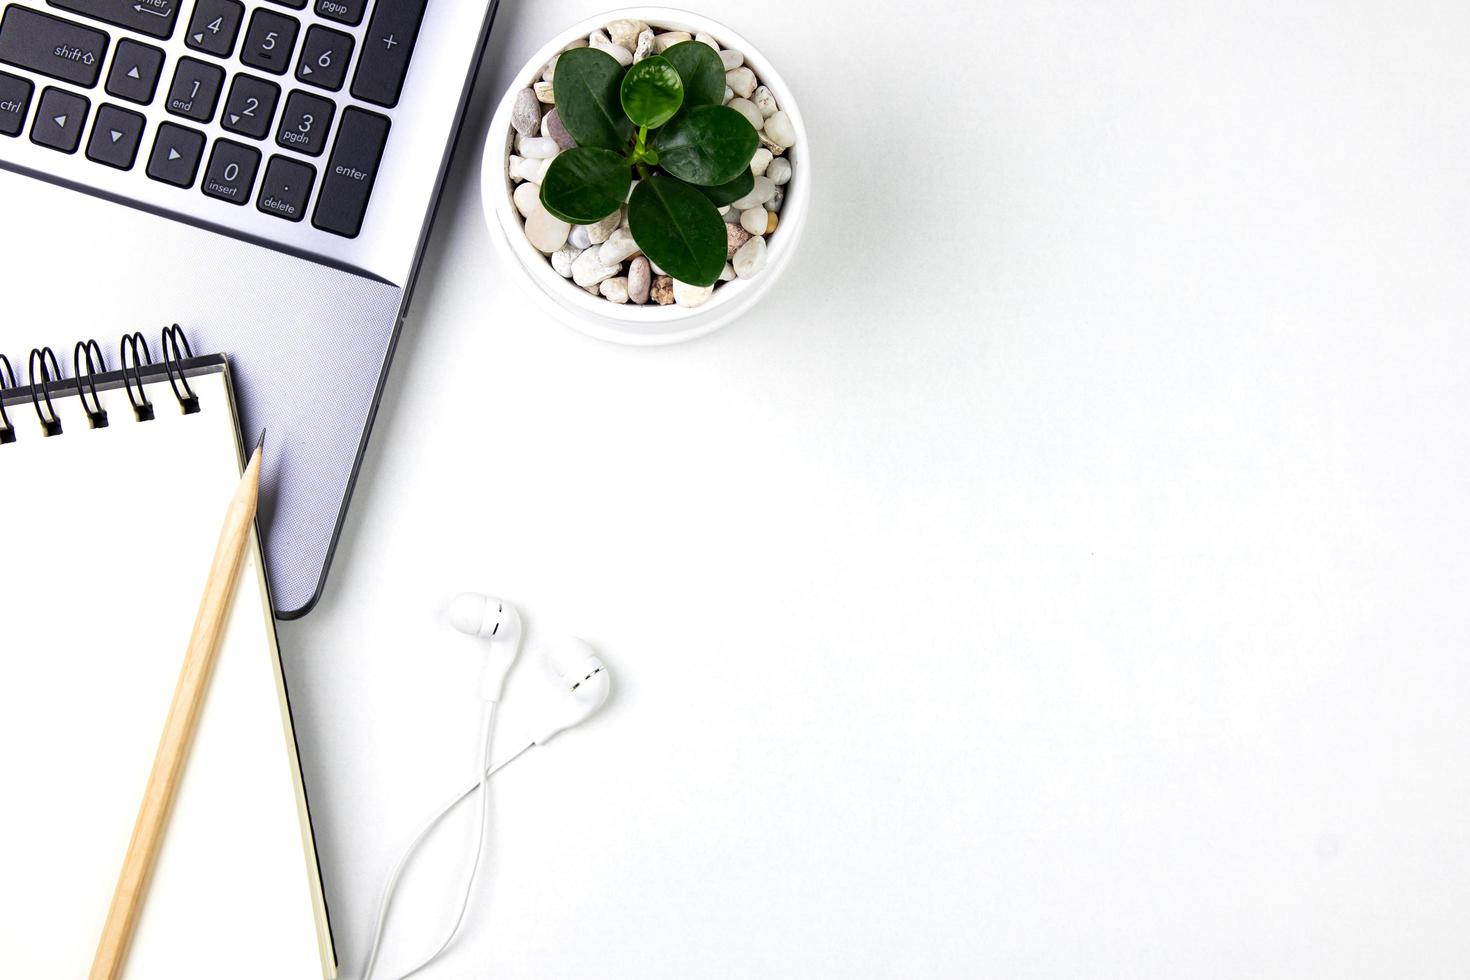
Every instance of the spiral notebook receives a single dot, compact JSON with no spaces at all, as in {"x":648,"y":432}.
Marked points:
{"x":112,"y":490}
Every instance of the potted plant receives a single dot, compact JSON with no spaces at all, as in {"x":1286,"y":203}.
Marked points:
{"x":648,"y":172}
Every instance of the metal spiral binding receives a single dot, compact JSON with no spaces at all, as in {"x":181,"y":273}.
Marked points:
{"x":132,"y":343}
{"x":50,"y":371}
{"x":96,"y":414}
{"x":7,"y":380}
{"x":89,"y":363}
{"x":173,"y":337}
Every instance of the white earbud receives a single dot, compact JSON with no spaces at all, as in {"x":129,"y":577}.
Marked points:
{"x":497,"y":621}
{"x":585,"y":681}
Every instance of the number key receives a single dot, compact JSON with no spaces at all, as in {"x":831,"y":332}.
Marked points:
{"x":214,"y":26}
{"x":251,"y":106}
{"x":269,"y":41}
{"x":231,"y":171}
{"x":195,"y":91}
{"x":305,"y":122}
{"x":324,"y":57}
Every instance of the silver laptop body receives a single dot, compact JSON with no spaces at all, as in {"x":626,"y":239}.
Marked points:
{"x":272,"y":195}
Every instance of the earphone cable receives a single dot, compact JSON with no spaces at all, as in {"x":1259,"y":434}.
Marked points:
{"x":482,"y":784}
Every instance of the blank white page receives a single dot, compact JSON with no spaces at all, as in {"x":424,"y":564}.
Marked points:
{"x":107,"y":539}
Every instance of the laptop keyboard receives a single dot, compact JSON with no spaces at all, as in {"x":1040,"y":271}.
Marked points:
{"x":300,"y":97}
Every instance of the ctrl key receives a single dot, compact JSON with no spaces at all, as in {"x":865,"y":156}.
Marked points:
{"x":15,"y":100}
{"x":285,"y":188}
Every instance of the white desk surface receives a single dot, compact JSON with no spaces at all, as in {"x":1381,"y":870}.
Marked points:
{"x":1063,"y":573}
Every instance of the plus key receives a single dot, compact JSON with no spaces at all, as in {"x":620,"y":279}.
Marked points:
{"x":387,"y":45}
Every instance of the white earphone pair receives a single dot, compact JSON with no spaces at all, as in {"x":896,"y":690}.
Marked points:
{"x":587,"y":685}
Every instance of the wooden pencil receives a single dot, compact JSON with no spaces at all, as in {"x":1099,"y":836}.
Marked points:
{"x":178,"y":729}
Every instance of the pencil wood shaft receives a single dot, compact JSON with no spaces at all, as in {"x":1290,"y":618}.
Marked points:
{"x":178,"y":729}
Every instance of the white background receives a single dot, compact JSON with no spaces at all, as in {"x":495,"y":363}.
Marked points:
{"x":1062,"y":573}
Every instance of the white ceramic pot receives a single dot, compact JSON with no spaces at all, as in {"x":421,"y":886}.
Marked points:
{"x":628,"y":323}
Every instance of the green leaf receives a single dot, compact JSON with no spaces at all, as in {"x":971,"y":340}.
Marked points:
{"x":585,"y":184}
{"x":652,"y":92}
{"x":678,"y":229}
{"x":587,"y":100}
{"x":700,"y":68}
{"x":708,"y":145}
{"x":730,"y":192}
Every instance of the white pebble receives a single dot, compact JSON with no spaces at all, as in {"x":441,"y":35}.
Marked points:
{"x":742,"y":81}
{"x":750,"y":258}
{"x":525,"y":115}
{"x":731,"y":216}
{"x":747,"y":109}
{"x":728,"y":273}
{"x":780,"y":130}
{"x":763,"y":190}
{"x":562,"y":259}
{"x":545,"y":93}
{"x":663,"y":42}
{"x":754,"y":220}
{"x":644,"y":47}
{"x":598,"y":231}
{"x":596,"y":36}
{"x":624,"y":33}
{"x":527,"y":198}
{"x":708,"y":39}
{"x":729,"y":94}
{"x":656,"y":270}
{"x":523,"y":169}
{"x":779,"y":171}
{"x":640,"y":280}
{"x":760,"y":161}
{"x":623,"y":56}
{"x":689,"y":296}
{"x":764,"y":101}
{"x":615,"y":289}
{"x":618,"y":248}
{"x":548,"y":74}
{"x":545,"y":231}
{"x":588,"y":270}
{"x":580,"y":237}
{"x":538,"y":147}
{"x":732,"y":59}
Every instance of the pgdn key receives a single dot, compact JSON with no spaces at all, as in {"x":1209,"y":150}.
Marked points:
{"x":350,"y":173}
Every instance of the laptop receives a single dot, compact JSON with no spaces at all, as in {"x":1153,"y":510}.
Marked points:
{"x":262,"y":172}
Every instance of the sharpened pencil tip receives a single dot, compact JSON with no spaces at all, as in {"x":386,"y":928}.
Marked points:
{"x":259,"y":442}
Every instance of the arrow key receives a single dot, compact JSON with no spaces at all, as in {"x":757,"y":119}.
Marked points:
{"x":115,"y":137}
{"x":250,"y":107}
{"x":135,"y":71}
{"x":176,"y":154}
{"x":59,"y":120}
{"x":214,"y":27}
{"x":324,"y":57}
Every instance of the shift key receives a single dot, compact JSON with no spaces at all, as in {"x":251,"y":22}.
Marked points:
{"x":348,"y":182}
{"x":52,"y":46}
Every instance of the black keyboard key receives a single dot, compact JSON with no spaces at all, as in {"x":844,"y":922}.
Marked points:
{"x":386,"y":47}
{"x":152,"y":17}
{"x":351,"y":170}
{"x":60,"y":117}
{"x":285,"y":188}
{"x":251,"y":106}
{"x":196,"y":88}
{"x":15,"y":99}
{"x":134,"y":73}
{"x":115,"y":137}
{"x":324,"y":57}
{"x":342,"y":11}
{"x":305,"y":122}
{"x":214,"y":27}
{"x":295,"y":4}
{"x":269,"y":41}
{"x":231,"y":171}
{"x":52,"y":46}
{"x":175,"y":156}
